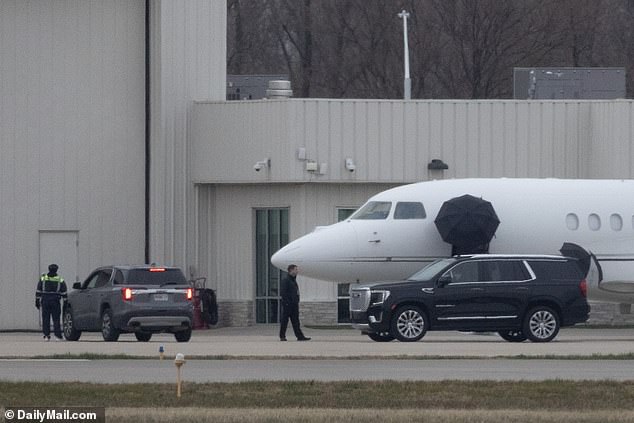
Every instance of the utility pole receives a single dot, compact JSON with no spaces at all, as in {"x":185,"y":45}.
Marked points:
{"x":407,"y":84}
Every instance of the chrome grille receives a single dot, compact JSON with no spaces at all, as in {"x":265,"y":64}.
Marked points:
{"x":359,"y":299}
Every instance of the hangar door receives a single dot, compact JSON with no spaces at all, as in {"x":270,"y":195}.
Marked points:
{"x":60,"y":247}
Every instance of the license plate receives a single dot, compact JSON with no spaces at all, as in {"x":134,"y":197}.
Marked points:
{"x":160,"y":297}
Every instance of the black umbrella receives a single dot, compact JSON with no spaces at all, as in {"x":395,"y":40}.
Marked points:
{"x":467,"y":222}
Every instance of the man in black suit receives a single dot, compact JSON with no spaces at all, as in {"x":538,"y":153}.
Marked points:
{"x":290,"y":304}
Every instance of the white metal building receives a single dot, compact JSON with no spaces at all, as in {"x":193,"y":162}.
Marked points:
{"x":92,"y":91}
{"x":73,"y":116}
{"x":244,"y":214}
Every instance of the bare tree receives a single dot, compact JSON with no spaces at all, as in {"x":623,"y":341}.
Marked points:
{"x":618,"y":48}
{"x":293,"y":29}
{"x":483,"y":39}
{"x":362,"y":55}
{"x":251,"y":45}
{"x":458,"y":48}
{"x":581,"y":28}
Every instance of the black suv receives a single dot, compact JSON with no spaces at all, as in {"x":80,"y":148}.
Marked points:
{"x":520,"y":297}
{"x":141,"y":299}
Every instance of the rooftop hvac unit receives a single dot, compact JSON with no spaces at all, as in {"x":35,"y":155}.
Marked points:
{"x":279,"y":90}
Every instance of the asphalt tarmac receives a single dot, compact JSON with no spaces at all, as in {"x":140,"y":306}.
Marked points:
{"x":262,"y":341}
{"x":156,"y":371}
{"x":255,"y":353}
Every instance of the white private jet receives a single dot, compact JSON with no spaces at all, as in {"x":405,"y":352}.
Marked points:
{"x":393,"y":235}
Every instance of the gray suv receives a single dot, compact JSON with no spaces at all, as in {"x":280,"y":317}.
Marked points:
{"x":141,"y":299}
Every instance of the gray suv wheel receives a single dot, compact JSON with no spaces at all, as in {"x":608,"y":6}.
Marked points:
{"x":183,"y":336}
{"x":70,"y":333}
{"x":108,"y":331}
{"x":143,"y":336}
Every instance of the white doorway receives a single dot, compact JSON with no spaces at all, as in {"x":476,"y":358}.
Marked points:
{"x":60,"y":247}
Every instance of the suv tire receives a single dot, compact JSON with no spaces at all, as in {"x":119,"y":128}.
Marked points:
{"x":143,"y":336}
{"x":409,"y":323}
{"x":381,"y":337}
{"x":108,"y":331}
{"x":183,"y":336}
{"x":513,"y":335}
{"x":70,"y":333}
{"x":541,"y":324}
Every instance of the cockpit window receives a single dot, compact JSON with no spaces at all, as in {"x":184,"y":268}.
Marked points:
{"x":409,"y":210}
{"x":374,"y":210}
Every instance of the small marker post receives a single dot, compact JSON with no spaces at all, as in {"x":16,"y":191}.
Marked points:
{"x":178,"y":362}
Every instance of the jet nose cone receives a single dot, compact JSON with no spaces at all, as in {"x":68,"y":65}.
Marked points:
{"x":286,"y":256}
{"x":317,"y":252}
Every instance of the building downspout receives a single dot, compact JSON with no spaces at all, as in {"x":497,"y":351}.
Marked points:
{"x":147,"y":131}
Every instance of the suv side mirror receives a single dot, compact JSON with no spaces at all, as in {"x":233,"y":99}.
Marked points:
{"x":444,"y":280}
{"x":77,"y":285}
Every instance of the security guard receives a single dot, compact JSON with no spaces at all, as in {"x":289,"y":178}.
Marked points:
{"x":50,"y":289}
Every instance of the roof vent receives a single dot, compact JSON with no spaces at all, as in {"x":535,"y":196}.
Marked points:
{"x":279,"y":90}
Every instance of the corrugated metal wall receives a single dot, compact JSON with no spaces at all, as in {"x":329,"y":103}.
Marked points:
{"x":188,"y":62}
{"x":611,"y":153}
{"x":71,"y":138}
{"x":391,"y":141}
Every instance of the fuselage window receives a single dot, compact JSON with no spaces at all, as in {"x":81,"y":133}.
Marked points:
{"x":616,"y":222}
{"x":374,"y":210}
{"x":572,"y":222}
{"x":409,"y":210}
{"x":594,"y":222}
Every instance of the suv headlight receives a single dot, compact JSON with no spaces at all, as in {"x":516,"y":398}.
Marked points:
{"x":378,"y":297}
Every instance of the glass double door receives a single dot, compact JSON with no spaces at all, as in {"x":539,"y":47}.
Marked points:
{"x":272,"y":227}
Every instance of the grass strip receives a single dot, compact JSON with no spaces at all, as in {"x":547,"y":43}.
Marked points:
{"x":328,"y":415}
{"x":570,"y":396}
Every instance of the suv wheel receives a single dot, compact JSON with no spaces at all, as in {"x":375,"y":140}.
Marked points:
{"x":541,"y":324}
{"x":143,"y":336}
{"x":381,"y":337}
{"x":409,"y":324}
{"x":512,"y":335}
{"x":183,"y":336}
{"x":108,"y":331}
{"x":70,"y":333}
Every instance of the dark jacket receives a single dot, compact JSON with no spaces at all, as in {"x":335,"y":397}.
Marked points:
{"x":289,"y":291}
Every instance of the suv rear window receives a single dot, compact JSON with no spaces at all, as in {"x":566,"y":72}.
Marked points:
{"x":556,"y":269}
{"x":155,"y":277}
{"x":503,"y":271}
